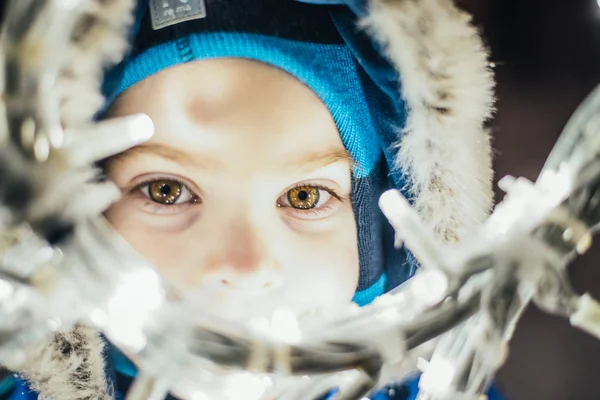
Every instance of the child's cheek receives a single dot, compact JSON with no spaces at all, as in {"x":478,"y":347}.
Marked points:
{"x":325,"y":264}
{"x":319,"y":268}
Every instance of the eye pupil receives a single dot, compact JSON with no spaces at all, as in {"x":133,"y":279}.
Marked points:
{"x":302,"y":195}
{"x":165,"y":189}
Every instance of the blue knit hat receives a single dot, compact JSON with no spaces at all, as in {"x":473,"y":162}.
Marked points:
{"x":303,"y":40}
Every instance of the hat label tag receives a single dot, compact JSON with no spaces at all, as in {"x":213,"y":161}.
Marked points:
{"x":171,"y":12}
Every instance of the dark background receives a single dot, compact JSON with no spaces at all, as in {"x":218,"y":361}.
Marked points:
{"x":547,"y":56}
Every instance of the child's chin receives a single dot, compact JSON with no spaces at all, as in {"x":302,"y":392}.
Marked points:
{"x":262,"y":312}
{"x":248,"y":309}
{"x":269,"y":315}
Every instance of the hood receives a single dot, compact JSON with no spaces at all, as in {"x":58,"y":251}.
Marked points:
{"x":441,"y":150}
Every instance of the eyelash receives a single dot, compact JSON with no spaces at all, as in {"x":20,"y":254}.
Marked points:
{"x":313,"y":213}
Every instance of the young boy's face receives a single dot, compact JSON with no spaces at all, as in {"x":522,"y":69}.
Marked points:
{"x":243,"y":194}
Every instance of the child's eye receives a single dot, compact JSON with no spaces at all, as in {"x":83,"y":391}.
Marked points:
{"x":307,"y":197}
{"x":167,"y":192}
{"x":310,"y":202}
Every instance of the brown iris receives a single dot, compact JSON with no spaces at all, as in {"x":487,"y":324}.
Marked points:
{"x":303,"y":197}
{"x":165,"y":191}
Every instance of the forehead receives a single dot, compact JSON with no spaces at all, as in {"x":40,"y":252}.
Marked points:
{"x":233,"y":107}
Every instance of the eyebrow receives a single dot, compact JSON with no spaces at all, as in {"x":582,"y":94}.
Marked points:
{"x":302,"y":163}
{"x":169,"y":153}
{"x":318,"y":160}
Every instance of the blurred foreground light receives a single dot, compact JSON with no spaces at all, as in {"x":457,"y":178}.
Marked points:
{"x":6,"y":290}
{"x":246,"y":386}
{"x":438,"y":377}
{"x":136,"y":297}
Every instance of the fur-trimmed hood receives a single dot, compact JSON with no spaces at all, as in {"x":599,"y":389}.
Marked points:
{"x":443,"y":150}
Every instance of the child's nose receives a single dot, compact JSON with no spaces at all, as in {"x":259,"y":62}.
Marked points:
{"x":244,"y":261}
{"x":262,"y":279}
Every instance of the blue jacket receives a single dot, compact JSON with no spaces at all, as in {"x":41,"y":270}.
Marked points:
{"x":121,"y":372}
{"x":17,"y":389}
{"x":409,"y":391}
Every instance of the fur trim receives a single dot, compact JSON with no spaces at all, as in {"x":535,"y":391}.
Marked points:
{"x":447,"y":84}
{"x":69,"y":366}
